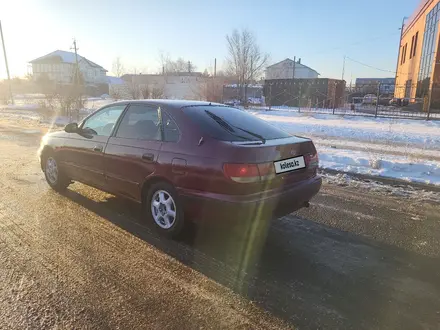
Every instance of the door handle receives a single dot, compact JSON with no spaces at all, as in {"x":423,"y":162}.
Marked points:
{"x":148,"y":157}
{"x":97,"y":148}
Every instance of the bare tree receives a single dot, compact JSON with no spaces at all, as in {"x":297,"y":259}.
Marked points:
{"x":164,"y":59}
{"x":209,"y":88}
{"x":145,"y":91}
{"x":157,"y":92}
{"x":133,"y":90}
{"x":168,"y":65}
{"x":116,"y":93}
{"x":245,"y":59}
{"x":118,"y":68}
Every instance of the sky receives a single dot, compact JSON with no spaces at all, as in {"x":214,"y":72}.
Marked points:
{"x":320,"y":32}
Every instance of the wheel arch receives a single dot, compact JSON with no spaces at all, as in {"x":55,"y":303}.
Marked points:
{"x":46,"y":150}
{"x":149,"y":182}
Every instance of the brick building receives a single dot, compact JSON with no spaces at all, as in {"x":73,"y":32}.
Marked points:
{"x":319,"y":92}
{"x":418,"y":70}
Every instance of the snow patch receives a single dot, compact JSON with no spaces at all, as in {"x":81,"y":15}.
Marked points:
{"x":409,"y":192}
{"x":378,"y":130}
{"x":395,"y":148}
{"x":390,"y":166}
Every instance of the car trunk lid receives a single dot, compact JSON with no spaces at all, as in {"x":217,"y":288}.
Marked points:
{"x":272,"y":164}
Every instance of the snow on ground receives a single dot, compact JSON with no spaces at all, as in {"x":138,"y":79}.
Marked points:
{"x":94,"y":103}
{"x":403,"y":149}
{"x":363,"y":110}
{"x":425,"y":134}
{"x":395,"y":148}
{"x":409,"y":150}
{"x":21,"y":106}
{"x":379,"y":164}
{"x":374,"y":186}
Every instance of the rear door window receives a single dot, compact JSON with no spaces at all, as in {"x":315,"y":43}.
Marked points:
{"x":140,"y":122}
{"x":231,"y":124}
{"x":170,"y":129}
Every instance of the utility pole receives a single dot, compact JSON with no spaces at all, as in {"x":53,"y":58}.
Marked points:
{"x":189,"y":67}
{"x":270,"y":96}
{"x":76,"y":77}
{"x":76,"y":59}
{"x":6,"y":63}
{"x":429,"y":100}
{"x":343,"y":68}
{"x":398,"y":53}
{"x":377,"y":99}
{"x":215,"y":67}
{"x":294,"y":64}
{"x":293,"y":74}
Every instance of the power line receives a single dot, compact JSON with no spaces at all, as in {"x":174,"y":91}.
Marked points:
{"x":369,"y":66}
{"x":356,"y":43}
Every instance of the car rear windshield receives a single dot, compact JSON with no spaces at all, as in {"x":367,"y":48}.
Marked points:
{"x":231,"y":124}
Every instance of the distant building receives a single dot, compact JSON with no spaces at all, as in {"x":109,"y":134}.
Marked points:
{"x":118,"y":88}
{"x":286,"y":68}
{"x":370,"y":85}
{"x":319,"y":92}
{"x":181,"y":85}
{"x":60,"y":67}
{"x":254,"y":93}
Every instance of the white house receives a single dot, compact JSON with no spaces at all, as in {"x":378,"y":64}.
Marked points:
{"x":59,"y":66}
{"x":182,"y":85}
{"x":118,"y":88}
{"x":286,"y":68}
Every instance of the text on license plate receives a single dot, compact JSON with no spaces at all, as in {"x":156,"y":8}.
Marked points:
{"x":290,"y":164}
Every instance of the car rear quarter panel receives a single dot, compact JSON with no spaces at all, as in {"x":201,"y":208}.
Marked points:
{"x":202,"y":169}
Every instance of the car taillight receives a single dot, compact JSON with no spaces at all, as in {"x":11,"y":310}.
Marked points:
{"x":246,"y":173}
{"x":312,"y":160}
{"x":267,"y":171}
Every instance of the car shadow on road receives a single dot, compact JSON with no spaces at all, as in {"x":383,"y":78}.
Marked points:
{"x":306,"y":273}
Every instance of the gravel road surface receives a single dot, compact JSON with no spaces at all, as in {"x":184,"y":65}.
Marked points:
{"x":356,"y":259}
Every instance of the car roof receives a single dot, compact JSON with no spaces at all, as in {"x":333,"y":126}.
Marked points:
{"x":169,"y":104}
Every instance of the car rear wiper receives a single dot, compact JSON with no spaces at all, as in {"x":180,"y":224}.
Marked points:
{"x":225,"y":125}
{"x":258,"y":136}
{"x":220,"y":121}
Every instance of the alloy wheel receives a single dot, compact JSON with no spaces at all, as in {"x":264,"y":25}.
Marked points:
{"x":51,"y":170}
{"x":163,"y":209}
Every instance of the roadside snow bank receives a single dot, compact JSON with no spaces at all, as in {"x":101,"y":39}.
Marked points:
{"x":395,"y":148}
{"x":381,"y":188}
{"x":31,"y":106}
{"x":390,"y":166}
{"x":377,"y":130}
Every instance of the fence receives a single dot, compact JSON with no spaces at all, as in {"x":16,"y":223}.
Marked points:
{"x":360,"y":101}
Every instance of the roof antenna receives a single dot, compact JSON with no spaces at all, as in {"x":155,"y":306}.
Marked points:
{"x":200,"y":141}
{"x":209,"y":103}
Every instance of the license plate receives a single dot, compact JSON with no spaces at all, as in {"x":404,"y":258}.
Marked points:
{"x":290,"y":164}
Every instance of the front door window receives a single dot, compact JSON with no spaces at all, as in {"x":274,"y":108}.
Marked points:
{"x":102,"y":123}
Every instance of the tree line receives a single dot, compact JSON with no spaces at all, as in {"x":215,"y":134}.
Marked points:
{"x":244,"y":63}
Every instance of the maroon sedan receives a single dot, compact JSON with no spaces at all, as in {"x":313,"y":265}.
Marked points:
{"x":185,"y":160}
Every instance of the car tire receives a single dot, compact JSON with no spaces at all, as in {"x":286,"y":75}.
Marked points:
{"x":55,"y":177}
{"x":163,"y":210}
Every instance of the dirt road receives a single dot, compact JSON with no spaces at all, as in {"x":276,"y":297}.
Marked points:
{"x":354,"y":260}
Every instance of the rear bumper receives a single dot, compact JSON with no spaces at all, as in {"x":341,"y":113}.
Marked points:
{"x":273,"y":203}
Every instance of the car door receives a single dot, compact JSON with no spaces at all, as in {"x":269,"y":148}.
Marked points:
{"x":132,"y":151}
{"x":83,"y":157}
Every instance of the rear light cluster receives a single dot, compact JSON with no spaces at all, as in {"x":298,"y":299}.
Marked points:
{"x":249,"y":172}
{"x":246,"y":173}
{"x":312,"y":160}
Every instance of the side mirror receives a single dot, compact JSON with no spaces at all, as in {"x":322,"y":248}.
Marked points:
{"x":71,"y":128}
